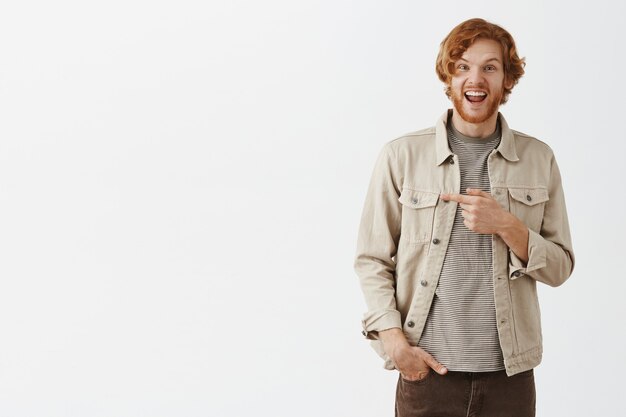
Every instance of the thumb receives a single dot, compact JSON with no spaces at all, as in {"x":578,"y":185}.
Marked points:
{"x":432,"y":362}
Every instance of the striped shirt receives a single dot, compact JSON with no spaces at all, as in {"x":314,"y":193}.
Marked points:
{"x":460,"y":330}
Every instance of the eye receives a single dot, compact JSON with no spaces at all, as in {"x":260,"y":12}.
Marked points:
{"x":463,"y":67}
{"x":490,"y":68}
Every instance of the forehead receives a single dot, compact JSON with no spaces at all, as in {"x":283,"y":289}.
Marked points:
{"x":483,"y":50}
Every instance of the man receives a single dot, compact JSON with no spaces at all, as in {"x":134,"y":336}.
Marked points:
{"x":460,"y":222}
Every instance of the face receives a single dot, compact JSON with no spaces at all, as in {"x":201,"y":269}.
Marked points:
{"x":477,"y":85}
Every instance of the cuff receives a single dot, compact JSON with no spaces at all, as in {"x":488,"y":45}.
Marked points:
{"x":380,"y":320}
{"x":536,"y":257}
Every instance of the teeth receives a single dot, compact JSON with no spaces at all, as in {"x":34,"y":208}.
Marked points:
{"x":476,"y":93}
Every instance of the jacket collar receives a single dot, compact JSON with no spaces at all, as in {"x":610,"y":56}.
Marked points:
{"x":506,"y":146}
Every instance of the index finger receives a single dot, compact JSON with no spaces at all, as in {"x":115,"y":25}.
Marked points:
{"x":459,"y":198}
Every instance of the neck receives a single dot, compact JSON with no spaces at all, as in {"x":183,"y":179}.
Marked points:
{"x":475,"y":130}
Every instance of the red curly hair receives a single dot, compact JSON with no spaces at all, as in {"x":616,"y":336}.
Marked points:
{"x":463,"y":36}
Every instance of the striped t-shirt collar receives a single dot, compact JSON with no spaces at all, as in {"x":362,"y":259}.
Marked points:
{"x":469,"y":139}
{"x":506,"y":146}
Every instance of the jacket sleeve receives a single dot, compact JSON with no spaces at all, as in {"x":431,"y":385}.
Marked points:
{"x":377,"y":242}
{"x":550,"y":253}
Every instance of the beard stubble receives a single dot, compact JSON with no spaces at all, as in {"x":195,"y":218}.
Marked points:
{"x":494,"y":104}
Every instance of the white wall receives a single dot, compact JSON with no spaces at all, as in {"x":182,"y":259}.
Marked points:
{"x":181,"y":184}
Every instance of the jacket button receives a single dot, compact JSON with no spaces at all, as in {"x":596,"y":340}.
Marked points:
{"x":414,"y":200}
{"x":498,"y":192}
{"x":451,"y":161}
{"x":436,"y":241}
{"x":423,"y":283}
{"x":364,"y":333}
{"x":528,"y":197}
{"x":517,"y":274}
{"x":410,"y":324}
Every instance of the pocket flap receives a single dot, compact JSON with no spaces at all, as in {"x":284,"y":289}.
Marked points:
{"x":418,"y":199}
{"x":529,"y":196}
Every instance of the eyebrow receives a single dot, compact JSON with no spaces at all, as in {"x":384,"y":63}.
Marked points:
{"x":489,"y":60}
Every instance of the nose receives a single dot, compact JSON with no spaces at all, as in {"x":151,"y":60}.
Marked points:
{"x":475,"y":76}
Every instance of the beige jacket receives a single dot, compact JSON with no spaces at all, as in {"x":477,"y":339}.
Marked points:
{"x":405,"y":228}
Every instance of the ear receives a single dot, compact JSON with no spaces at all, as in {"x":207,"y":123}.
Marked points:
{"x":508,"y":84}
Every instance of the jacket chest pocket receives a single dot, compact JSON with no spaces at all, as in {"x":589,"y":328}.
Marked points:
{"x":527,"y":204}
{"x":418,"y":213}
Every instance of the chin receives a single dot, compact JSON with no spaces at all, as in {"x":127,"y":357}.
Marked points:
{"x":475,"y":117}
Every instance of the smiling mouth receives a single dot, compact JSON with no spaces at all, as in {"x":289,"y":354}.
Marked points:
{"x":475,"y":96}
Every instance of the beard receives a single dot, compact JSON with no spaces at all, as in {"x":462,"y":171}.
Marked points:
{"x":492,"y":106}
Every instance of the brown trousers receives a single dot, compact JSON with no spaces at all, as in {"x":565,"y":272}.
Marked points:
{"x":467,"y":394}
